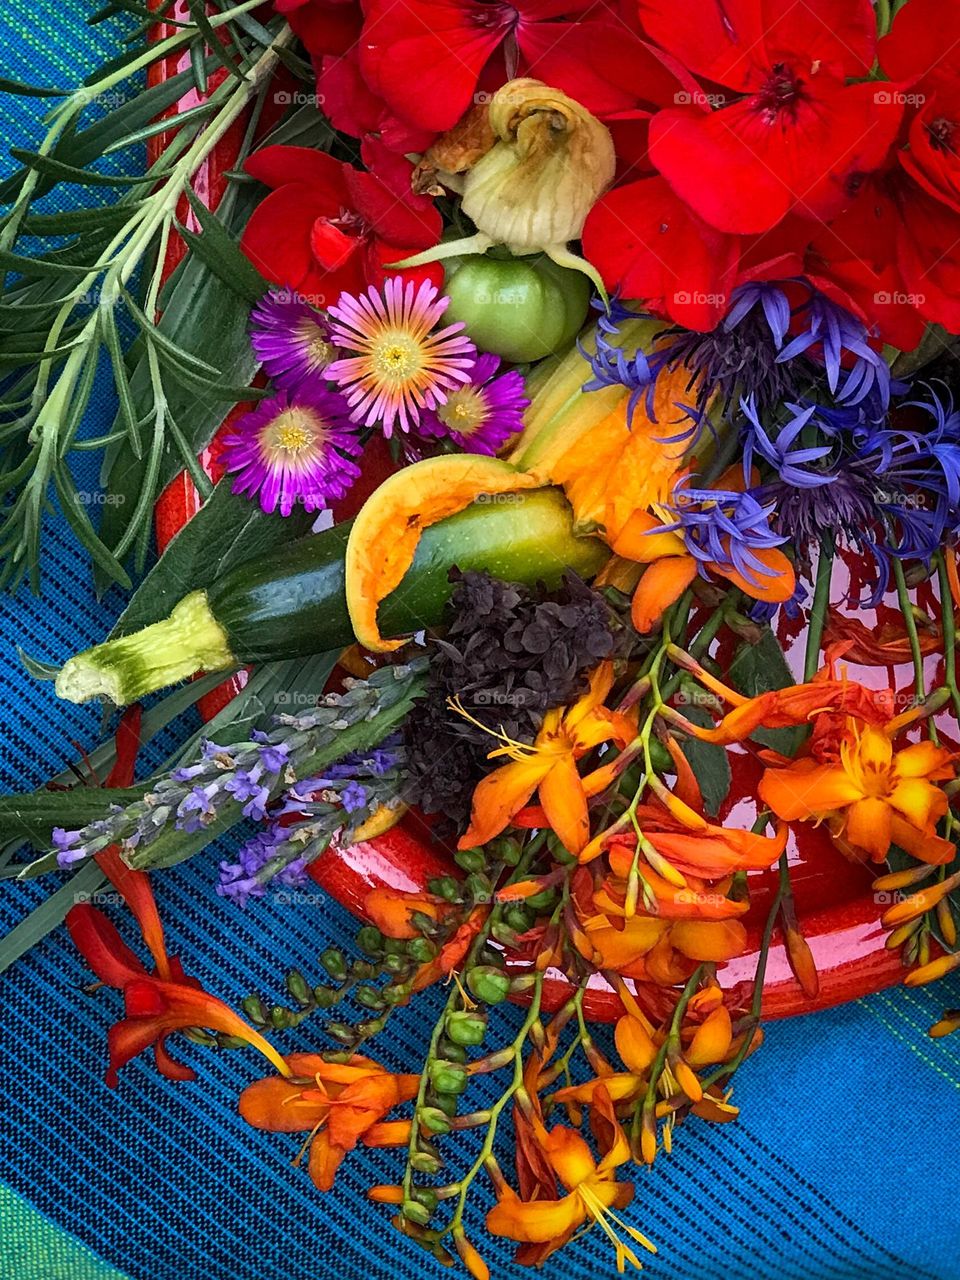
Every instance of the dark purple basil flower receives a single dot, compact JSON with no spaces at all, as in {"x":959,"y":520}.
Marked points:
{"x":290,"y":338}
{"x":484,"y":413}
{"x":296,"y":448}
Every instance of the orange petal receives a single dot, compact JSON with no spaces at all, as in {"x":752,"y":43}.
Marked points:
{"x":325,"y":1159}
{"x":867,"y":825}
{"x":635,"y":1045}
{"x":500,"y":795}
{"x":385,"y":534}
{"x":662,"y":585}
{"x":565,"y":804}
{"x":776,"y":586}
{"x":278,"y":1105}
{"x":712,"y":1039}
{"x":709,"y":939}
{"x":807,"y":790}
{"x":538,"y":1221}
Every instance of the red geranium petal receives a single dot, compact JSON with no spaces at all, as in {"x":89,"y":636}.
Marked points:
{"x":723,"y":43}
{"x":425,"y":56}
{"x":931,"y":159}
{"x":928,"y":252}
{"x":281,"y":166}
{"x":276,"y":238}
{"x":326,"y":28}
{"x":384,"y":200}
{"x":646,"y":241}
{"x":600,"y":64}
{"x":749,"y":171}
{"x":923,"y":44}
{"x":379,"y":254}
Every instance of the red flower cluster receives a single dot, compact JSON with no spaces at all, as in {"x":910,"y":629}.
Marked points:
{"x":789,"y":160}
{"x":752,"y":143}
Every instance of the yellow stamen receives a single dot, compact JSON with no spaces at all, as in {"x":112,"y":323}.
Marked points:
{"x":605,"y":1217}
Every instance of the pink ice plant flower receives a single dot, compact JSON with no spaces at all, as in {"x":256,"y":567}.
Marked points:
{"x":398,"y":362}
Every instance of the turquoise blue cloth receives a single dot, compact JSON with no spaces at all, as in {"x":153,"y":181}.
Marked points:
{"x":842,"y":1167}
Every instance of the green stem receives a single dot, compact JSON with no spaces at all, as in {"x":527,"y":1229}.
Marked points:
{"x":817,"y":618}
{"x":949,"y":632}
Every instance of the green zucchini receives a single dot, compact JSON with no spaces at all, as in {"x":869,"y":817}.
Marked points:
{"x":291,"y":601}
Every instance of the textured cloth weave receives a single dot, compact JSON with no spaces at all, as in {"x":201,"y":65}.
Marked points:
{"x":842,"y":1166}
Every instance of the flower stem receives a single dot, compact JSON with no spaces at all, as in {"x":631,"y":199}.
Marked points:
{"x":816,"y":620}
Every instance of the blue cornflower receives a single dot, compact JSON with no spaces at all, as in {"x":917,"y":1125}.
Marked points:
{"x":611,"y":366}
{"x":838,"y":333}
{"x":791,"y":464}
{"x":773,"y":302}
{"x":722,"y":527}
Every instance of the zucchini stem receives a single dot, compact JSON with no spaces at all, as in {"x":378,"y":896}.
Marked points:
{"x":128,"y":668}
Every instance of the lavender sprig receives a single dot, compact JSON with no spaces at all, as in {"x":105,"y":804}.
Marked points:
{"x":309,"y":816}
{"x":194,"y":803}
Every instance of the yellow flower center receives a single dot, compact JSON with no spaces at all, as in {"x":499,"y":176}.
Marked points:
{"x":292,"y":434}
{"x":319,"y":351}
{"x":464,"y":411}
{"x":397,"y":357}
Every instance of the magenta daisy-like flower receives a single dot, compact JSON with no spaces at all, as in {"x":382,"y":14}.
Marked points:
{"x":400,"y":366}
{"x":291,"y":339}
{"x":295,"y":448}
{"x":484,"y":413}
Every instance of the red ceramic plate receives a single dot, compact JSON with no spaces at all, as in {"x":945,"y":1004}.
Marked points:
{"x":836,"y":905}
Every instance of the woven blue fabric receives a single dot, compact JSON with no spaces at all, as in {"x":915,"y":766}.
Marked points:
{"x":840,"y":1168}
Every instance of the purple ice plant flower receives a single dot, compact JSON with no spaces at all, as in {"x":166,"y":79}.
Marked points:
{"x":297,"y":448}
{"x":484,"y":413}
{"x":290,"y":338}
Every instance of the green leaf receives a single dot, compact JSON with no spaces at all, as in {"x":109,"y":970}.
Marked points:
{"x":29,"y":90}
{"x":167,"y":124}
{"x":708,"y":761}
{"x":758,"y":668}
{"x":226,"y":531}
{"x":62,"y":224}
{"x":210,"y":321}
{"x":32,"y":817}
{"x":60,"y":171}
{"x":222,"y":254}
{"x":50,"y":914}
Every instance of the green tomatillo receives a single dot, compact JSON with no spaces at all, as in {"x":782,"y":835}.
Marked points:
{"x":519,"y":308}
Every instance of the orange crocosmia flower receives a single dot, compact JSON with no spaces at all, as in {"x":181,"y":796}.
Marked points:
{"x":336,"y":1104}
{"x":870,"y":794}
{"x":664,"y":940}
{"x":392,"y":910}
{"x":592,"y":1189}
{"x":549,"y":768}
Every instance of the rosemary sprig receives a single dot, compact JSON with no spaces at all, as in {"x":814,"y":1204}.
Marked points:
{"x":78,"y":299}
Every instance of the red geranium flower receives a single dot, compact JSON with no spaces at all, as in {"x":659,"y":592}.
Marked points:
{"x":647,"y":243}
{"x":787,"y":131}
{"x":327,"y":227}
{"x":428,"y":58}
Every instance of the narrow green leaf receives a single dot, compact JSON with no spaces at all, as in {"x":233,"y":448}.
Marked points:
{"x":50,"y":914}
{"x":222,"y":254}
{"x":128,"y":410}
{"x":63,"y":224}
{"x":168,"y":124}
{"x":29,"y":90}
{"x":60,"y":171}
{"x":79,"y":521}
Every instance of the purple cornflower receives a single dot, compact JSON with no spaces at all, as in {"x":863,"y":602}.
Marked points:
{"x":773,"y":302}
{"x":290,"y":338}
{"x":297,"y":447}
{"x":723,"y":527}
{"x":484,"y":413}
